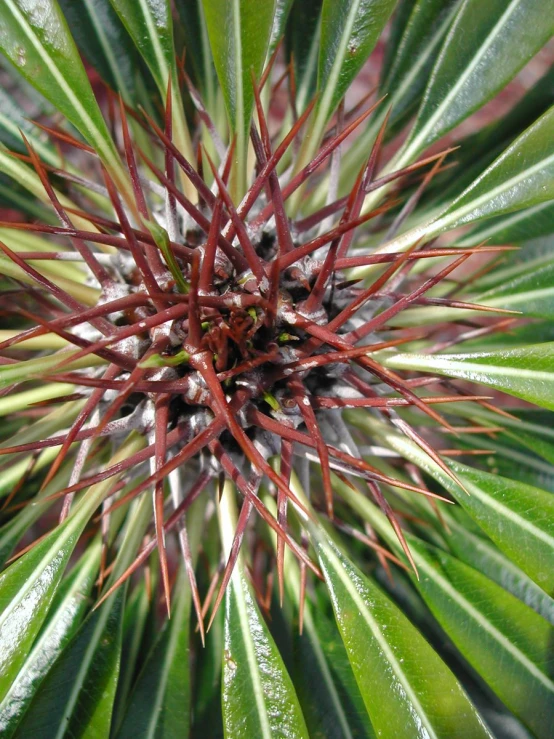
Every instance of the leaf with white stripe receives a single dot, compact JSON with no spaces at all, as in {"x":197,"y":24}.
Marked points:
{"x":239,"y":32}
{"x":76,"y":697}
{"x":35,"y":38}
{"x":526,"y":372}
{"x":521,"y":177}
{"x":349,"y":31}
{"x":515,"y":227}
{"x":191,"y":22}
{"x":481,"y":554}
{"x":28,"y":586}
{"x":150,"y":25}
{"x":104,"y":42}
{"x":396,"y":669}
{"x":477,"y":60}
{"x":503,"y":639}
{"x":531,"y":292}
{"x":417,"y":32}
{"x":12,"y":120}
{"x":63,"y":621}
{"x":160,"y":703}
{"x":302,"y":46}
{"x":519,"y":518}
{"x":257,"y":694}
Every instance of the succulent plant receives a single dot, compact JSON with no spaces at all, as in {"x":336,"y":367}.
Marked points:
{"x":276,"y":368}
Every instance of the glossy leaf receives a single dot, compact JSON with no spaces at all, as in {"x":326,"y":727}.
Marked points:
{"x":302,"y":45}
{"x":516,"y":227}
{"x":150,"y":25}
{"x":478,"y":150}
{"x":197,"y":44}
{"x":526,"y":372}
{"x":509,"y":512}
{"x":35,"y":38}
{"x":77,"y":694}
{"x":349,"y":31}
{"x":27,"y":588}
{"x":280,"y":17}
{"x":133,"y":633}
{"x":63,"y":620}
{"x":258,"y":697}
{"x":159,"y":705}
{"x":476,"y":61}
{"x":326,"y":686}
{"x":257,"y":693}
{"x":12,"y":121}
{"x":522,"y":177}
{"x":531,"y":292}
{"x":505,"y":641}
{"x":239,"y":34}
{"x":104,"y":42}
{"x":481,"y":554}
{"x":417,"y":31}
{"x":397,"y":671}
{"x":416,"y":36}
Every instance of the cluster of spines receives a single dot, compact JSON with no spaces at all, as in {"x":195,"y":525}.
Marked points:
{"x":176,"y":283}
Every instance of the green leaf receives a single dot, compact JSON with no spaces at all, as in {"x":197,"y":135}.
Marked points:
{"x":476,"y":61}
{"x":67,"y":610}
{"x":302,"y":44}
{"x":35,"y":38}
{"x":280,"y":17}
{"x":483,"y":146}
{"x":509,"y":512}
{"x":197,"y":44}
{"x":27,"y":588}
{"x":77,"y":694}
{"x":258,"y":697}
{"x":257,"y":693}
{"x":104,"y":42}
{"x":417,"y":32}
{"x":397,"y":671}
{"x":150,"y":25}
{"x":526,"y":372}
{"x":326,"y":686}
{"x":12,"y":121}
{"x":159,"y":705}
{"x":483,"y":556}
{"x":134,"y":622}
{"x":531,"y":292}
{"x":515,"y":227}
{"x":239,"y":32}
{"x":349,"y":31}
{"x":522,"y":177}
{"x":505,"y":641}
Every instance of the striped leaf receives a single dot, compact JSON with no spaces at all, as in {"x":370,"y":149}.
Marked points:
{"x":526,"y":372}
{"x":34,"y":36}
{"x":63,"y":620}
{"x":476,"y":61}
{"x":258,"y":697}
{"x":396,"y":669}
